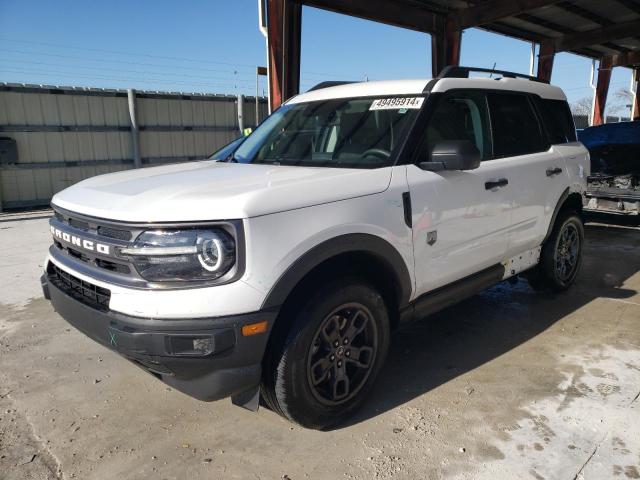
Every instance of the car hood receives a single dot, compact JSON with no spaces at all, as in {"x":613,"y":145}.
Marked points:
{"x":214,"y":191}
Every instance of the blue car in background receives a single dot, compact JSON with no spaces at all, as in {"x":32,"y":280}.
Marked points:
{"x":614,"y":183}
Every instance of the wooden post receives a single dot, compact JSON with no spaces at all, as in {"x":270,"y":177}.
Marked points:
{"x":284,"y":26}
{"x":445,"y":45}
{"x":545,"y":61}
{"x":635,"y":109}
{"x":602,"y":89}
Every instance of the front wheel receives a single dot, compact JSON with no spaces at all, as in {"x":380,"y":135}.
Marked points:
{"x":561,"y":255}
{"x":331,"y":357}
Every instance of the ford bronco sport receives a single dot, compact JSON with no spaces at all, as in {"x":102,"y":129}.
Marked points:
{"x":280,"y":272}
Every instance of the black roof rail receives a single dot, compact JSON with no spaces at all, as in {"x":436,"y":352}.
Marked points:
{"x":330,"y":83}
{"x":453,"y":71}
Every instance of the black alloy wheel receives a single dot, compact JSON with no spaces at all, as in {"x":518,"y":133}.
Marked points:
{"x":321,"y":368}
{"x":561,"y":255}
{"x":567,"y":251}
{"x":342,"y":354}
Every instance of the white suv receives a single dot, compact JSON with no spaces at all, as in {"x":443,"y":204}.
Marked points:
{"x":353,"y":209}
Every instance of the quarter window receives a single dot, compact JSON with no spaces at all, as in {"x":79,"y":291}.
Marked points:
{"x":558,"y":121}
{"x":515,"y":127}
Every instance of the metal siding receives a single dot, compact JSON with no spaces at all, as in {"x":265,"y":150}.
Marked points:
{"x":14,"y":108}
{"x":208,"y":122}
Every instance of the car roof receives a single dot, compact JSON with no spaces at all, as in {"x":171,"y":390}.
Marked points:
{"x":417,"y":87}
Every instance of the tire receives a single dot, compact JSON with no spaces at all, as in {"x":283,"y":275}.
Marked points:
{"x":343,"y":372}
{"x":561,"y":255}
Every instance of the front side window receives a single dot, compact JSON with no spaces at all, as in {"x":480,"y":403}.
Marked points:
{"x":460,"y":116}
{"x":347,"y":133}
{"x":516,"y":130}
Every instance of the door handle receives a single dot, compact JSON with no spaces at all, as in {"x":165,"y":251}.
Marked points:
{"x":553,"y":171}
{"x":500,"y":182}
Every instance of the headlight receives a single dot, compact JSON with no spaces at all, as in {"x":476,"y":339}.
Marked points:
{"x":182,"y":255}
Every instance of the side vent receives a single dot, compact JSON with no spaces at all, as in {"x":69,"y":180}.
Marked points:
{"x":406,"y":204}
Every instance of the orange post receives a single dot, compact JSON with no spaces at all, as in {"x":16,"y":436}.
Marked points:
{"x":445,"y":45}
{"x":545,"y":61}
{"x":602,"y":89}
{"x":284,"y":24}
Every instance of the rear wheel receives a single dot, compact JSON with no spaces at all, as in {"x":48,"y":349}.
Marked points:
{"x":330,"y":358}
{"x":561,"y":255}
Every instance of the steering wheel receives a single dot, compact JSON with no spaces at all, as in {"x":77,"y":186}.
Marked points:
{"x":381,"y":153}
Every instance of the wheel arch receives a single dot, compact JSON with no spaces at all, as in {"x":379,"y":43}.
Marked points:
{"x":569,"y":200}
{"x":373,"y":257}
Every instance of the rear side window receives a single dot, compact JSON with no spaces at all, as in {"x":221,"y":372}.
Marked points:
{"x":516,"y":130}
{"x":558,"y":121}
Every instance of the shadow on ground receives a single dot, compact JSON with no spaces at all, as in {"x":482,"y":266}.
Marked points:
{"x":463,"y":337}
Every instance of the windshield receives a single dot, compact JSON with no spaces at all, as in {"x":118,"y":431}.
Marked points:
{"x":347,"y":133}
{"x":226,"y":151}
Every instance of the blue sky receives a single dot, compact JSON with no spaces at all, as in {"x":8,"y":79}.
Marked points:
{"x":214,"y":46}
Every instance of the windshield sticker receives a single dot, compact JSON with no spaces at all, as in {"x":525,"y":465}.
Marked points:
{"x":397,"y":103}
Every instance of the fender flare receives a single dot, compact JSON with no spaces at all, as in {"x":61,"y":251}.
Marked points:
{"x":349,"y":243}
{"x":561,"y":201}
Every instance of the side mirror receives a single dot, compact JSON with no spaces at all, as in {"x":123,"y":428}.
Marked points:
{"x":453,"y":155}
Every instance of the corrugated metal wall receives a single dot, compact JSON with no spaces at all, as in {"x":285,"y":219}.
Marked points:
{"x":64,"y":135}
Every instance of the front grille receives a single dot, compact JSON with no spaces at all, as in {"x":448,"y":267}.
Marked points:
{"x":114,"y":233}
{"x":112,"y":266}
{"x":110,"y":232}
{"x":79,"y":224}
{"x":95,"y":231}
{"x":85,"y":292}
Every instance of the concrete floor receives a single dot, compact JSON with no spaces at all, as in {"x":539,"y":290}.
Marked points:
{"x":509,"y":384}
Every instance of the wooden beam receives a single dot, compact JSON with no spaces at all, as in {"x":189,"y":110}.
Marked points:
{"x":398,"y":14}
{"x":627,"y":59}
{"x":493,"y":10}
{"x":597,"y":36}
{"x":631,"y":5}
{"x":602,"y":89}
{"x":580,"y":11}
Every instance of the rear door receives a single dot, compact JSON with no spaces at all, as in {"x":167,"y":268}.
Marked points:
{"x":535,"y":169}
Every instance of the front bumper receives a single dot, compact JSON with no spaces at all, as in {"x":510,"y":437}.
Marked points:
{"x":231,"y":366}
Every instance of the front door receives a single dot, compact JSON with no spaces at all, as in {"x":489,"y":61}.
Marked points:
{"x":460,"y":218}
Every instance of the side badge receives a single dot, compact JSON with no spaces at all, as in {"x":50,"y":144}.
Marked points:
{"x":432,"y":237}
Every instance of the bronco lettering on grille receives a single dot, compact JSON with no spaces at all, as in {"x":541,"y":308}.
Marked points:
{"x":80,"y":242}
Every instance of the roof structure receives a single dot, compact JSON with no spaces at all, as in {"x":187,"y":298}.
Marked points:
{"x":592,"y":28}
{"x":604,"y":30}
